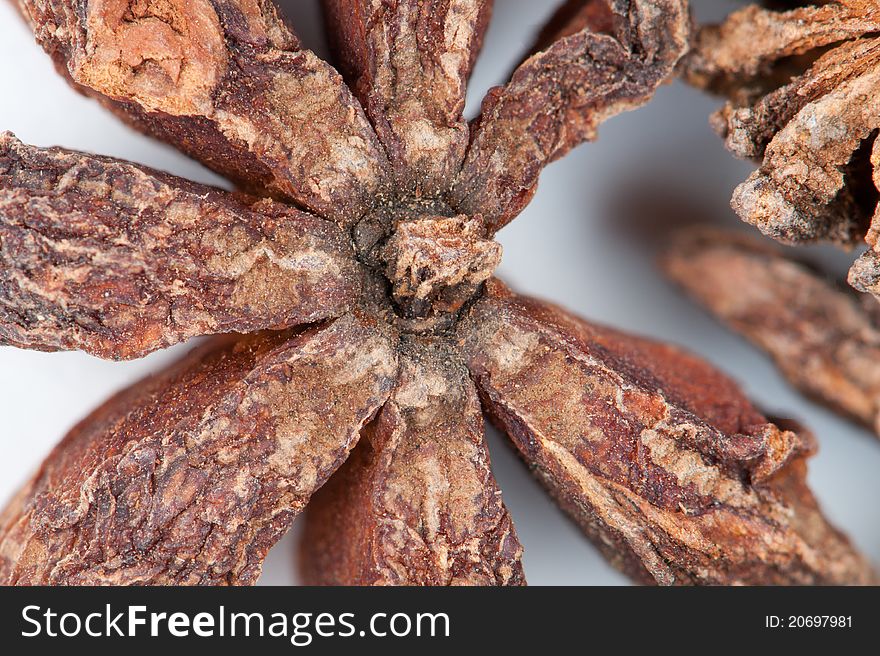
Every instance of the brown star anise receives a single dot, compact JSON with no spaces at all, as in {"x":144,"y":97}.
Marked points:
{"x":377,"y":331}
{"x":824,"y":339}
{"x":803,"y":86}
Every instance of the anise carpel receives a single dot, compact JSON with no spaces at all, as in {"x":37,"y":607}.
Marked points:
{"x":358,"y":259}
{"x":802,"y":84}
{"x":824,"y":338}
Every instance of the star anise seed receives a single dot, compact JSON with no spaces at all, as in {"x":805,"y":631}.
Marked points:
{"x":361,"y":266}
{"x":822,"y":338}
{"x":802,"y":84}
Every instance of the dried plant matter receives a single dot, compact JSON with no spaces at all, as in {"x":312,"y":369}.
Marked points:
{"x":803,"y":100}
{"x":119,"y":260}
{"x":191,"y":476}
{"x":416,"y":502}
{"x":557,"y":98}
{"x":360,"y":264}
{"x":822,"y":338}
{"x":659,"y":457}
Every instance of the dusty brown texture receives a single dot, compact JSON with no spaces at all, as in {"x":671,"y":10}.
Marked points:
{"x":821,"y":337}
{"x":753,"y":37}
{"x":118,"y":260}
{"x":864,"y":274}
{"x":416,"y":504}
{"x":803,"y":87}
{"x":371,"y":266}
{"x":228,"y":83}
{"x":437,"y":264}
{"x":658,"y":457}
{"x":190,"y":476}
{"x":557,"y":98}
{"x":408,"y":61}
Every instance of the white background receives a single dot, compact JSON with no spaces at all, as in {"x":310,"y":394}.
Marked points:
{"x":588,"y":241}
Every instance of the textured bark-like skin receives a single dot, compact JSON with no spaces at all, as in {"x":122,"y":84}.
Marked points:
{"x":557,"y":98}
{"x":821,"y":338}
{"x":812,"y":127}
{"x":189,"y":477}
{"x":864,"y":274}
{"x":677,"y":478}
{"x":753,"y":37}
{"x":748,"y":130}
{"x":228,"y":83}
{"x":408,"y":62}
{"x":118,"y":260}
{"x":438,"y":264}
{"x":416,"y":504}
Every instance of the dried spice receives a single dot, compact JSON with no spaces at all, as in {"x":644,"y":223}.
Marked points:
{"x":361,"y":265}
{"x":422,"y":463}
{"x":658,"y":456}
{"x":192,"y":475}
{"x":118,"y":260}
{"x":822,"y":338}
{"x":802,"y":84}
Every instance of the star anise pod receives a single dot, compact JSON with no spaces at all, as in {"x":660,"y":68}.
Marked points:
{"x":361,"y":267}
{"x":824,"y":339}
{"x":803,"y":84}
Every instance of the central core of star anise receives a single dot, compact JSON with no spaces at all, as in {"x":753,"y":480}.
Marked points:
{"x":435,"y":261}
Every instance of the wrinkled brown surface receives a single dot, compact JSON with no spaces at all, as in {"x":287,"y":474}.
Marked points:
{"x":571,"y":17}
{"x":438,"y":264}
{"x":864,"y":274}
{"x":408,"y":62}
{"x":558,"y":97}
{"x":416,"y":504}
{"x":820,"y":337}
{"x":189,"y":477}
{"x":658,"y":457}
{"x":118,"y":260}
{"x":227,"y":83}
{"x":753,"y":38}
{"x":803,"y":84}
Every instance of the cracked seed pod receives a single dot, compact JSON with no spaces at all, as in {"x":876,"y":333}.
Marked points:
{"x":822,"y":338}
{"x":659,"y":458}
{"x":192,"y":475}
{"x":803,"y":86}
{"x":422,"y":463}
{"x":358,"y":268}
{"x":119,"y":260}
